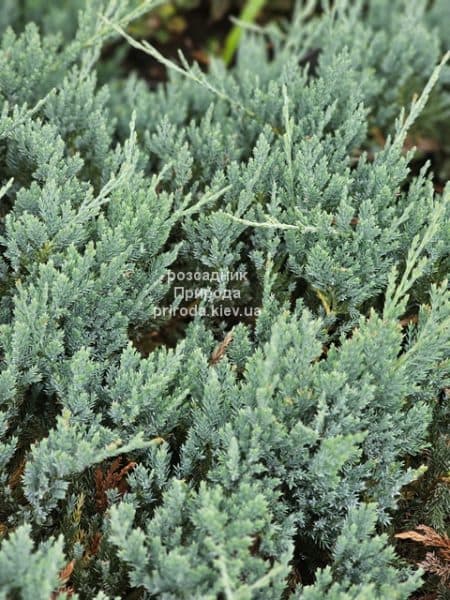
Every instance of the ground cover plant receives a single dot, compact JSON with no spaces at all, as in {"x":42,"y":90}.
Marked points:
{"x":225,"y":315}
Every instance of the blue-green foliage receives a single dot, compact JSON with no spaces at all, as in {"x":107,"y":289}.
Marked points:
{"x":267,"y":466}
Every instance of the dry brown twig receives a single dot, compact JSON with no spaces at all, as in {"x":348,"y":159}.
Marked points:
{"x":114,"y":478}
{"x":64,"y":576}
{"x":220,"y":349}
{"x":438,"y":562}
